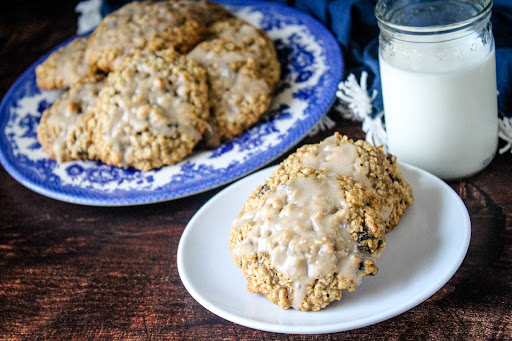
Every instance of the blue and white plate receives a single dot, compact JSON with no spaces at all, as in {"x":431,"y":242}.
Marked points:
{"x":312,"y":67}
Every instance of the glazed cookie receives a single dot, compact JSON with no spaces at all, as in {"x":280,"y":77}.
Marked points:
{"x":302,"y":238}
{"x":364,"y":163}
{"x":62,"y":130}
{"x":151,"y":111}
{"x":144,"y":25}
{"x":67,"y":66}
{"x":238,"y":93}
{"x":252,"y":40}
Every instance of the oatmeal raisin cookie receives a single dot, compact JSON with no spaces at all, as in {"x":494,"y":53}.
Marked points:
{"x":152,"y":110}
{"x":62,"y":131}
{"x":142,"y":25}
{"x":238,"y":93}
{"x":303,"y":237}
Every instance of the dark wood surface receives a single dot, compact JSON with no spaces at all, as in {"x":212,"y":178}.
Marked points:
{"x":77,"y":272}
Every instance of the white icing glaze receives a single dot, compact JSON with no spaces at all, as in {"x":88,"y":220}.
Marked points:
{"x":243,"y":32}
{"x":243,"y":88}
{"x":338,"y":159}
{"x":386,"y":212}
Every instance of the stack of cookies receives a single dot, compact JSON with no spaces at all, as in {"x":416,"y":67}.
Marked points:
{"x":318,"y":224}
{"x":154,"y":80}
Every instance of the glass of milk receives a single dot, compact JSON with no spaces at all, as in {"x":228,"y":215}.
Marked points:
{"x":438,"y":71}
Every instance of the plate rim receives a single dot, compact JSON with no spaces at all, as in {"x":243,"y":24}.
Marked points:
{"x":333,"y":53}
{"x":419,"y":297}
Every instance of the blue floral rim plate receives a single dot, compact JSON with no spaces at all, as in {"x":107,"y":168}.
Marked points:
{"x":312,"y":66}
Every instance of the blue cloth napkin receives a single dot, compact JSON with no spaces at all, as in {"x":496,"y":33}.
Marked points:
{"x":355,"y":27}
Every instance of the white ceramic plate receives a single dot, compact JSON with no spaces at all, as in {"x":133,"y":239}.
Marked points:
{"x":422,"y":253}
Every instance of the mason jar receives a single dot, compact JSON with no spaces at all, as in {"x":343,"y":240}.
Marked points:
{"x":438,"y":71}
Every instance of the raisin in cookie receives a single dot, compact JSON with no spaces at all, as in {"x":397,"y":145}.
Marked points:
{"x":238,"y":93}
{"x":303,"y":237}
{"x":62,"y":130}
{"x":152,"y":110}
{"x":364,"y":163}
{"x":253,"y":40}
{"x":67,"y":66}
{"x":144,"y":25}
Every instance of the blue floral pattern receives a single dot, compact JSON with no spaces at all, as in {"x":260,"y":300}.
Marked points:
{"x":311,"y":69}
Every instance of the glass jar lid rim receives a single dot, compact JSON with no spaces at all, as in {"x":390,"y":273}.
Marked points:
{"x":434,"y":28}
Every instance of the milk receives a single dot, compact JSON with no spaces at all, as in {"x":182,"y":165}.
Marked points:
{"x":441,"y":113}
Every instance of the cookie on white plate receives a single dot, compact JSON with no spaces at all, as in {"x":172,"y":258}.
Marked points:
{"x":304,"y":237}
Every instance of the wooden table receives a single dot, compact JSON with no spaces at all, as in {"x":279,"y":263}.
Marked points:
{"x":70,"y":271}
